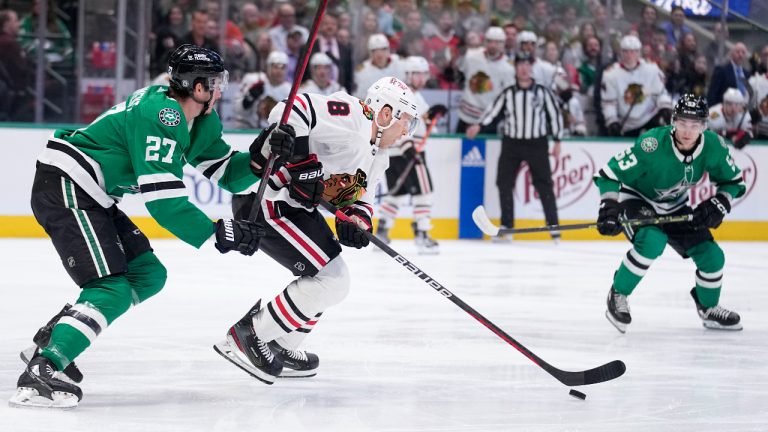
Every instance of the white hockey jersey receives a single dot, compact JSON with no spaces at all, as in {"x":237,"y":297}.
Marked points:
{"x":401,"y":145}
{"x":310,"y":86}
{"x":485,"y":79}
{"x":250,"y":118}
{"x":719,"y":124}
{"x":759,"y":84}
{"x":643,"y":85}
{"x":368,"y":74}
{"x":549,"y":75}
{"x":337,"y":128}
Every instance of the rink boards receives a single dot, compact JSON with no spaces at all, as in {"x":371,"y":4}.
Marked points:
{"x":463,"y":174}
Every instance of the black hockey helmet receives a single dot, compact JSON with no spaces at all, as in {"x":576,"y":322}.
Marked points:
{"x":692,"y":107}
{"x":190,"y":64}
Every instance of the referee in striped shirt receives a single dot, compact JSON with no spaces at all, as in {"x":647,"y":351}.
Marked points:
{"x":530,"y":114}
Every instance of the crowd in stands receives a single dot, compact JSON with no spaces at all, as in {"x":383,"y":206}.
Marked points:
{"x":581,"y":49}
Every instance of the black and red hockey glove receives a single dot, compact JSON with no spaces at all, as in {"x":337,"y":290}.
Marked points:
{"x":350,"y":233}
{"x":306,"y":181}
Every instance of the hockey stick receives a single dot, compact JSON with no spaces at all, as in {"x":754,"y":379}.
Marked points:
{"x":298,"y":74}
{"x":606,"y":372}
{"x":412,"y":163}
{"x":487,"y":227}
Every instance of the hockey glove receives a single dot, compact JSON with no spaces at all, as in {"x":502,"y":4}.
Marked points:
{"x":608,"y":217}
{"x":306,"y":185}
{"x":710,"y":213}
{"x":253,"y":94}
{"x":281,"y":141}
{"x":258,"y":159}
{"x":437,"y":110}
{"x":614,"y":129}
{"x":741,"y":139}
{"x":350,"y":233}
{"x":240,"y":235}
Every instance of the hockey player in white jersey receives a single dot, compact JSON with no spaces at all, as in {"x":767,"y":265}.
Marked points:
{"x":261,"y":91}
{"x":408,"y":175}
{"x":381,"y":63}
{"x":486,"y":72}
{"x":346,"y":139}
{"x":634,"y":98}
{"x":546,"y":73}
{"x":320,"y":82}
{"x":730,"y":118}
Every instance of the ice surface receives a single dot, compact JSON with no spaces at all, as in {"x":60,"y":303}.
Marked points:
{"x":396,"y":356}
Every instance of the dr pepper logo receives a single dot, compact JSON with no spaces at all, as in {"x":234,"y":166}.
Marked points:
{"x":705,"y":189}
{"x":571,"y":177}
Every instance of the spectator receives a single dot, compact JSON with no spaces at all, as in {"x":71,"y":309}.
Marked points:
{"x":400,"y":14}
{"x":539,"y":17}
{"x":383,"y":15}
{"x":382,"y":63}
{"x":321,"y":81}
{"x":573,"y":113}
{"x":730,"y":119}
{"x":760,"y":118}
{"x":730,"y":74}
{"x":676,"y":26}
{"x":295,"y":42}
{"x":197,"y":33}
{"x":286,"y":15}
{"x":433,"y":10}
{"x":260,"y":92}
{"x":759,"y":62}
{"x":370,"y":27}
{"x":412,"y":44}
{"x":696,"y":78}
{"x":679,"y":70}
{"x":468,"y":19}
{"x":15,"y":72}
{"x":249,"y":23}
{"x":58,"y":45}
{"x":340,"y":54}
{"x":633,"y":97}
{"x":168,"y":36}
{"x":609,"y":34}
{"x":412,"y":24}
{"x":232,"y":34}
{"x":571,"y":28}
{"x":263,"y":47}
{"x":713,"y":47}
{"x":547,"y":74}
{"x":442,"y":50}
{"x":487,"y":73}
{"x":647,"y":25}
{"x":590,"y":69}
{"x":345,"y":40}
{"x":503,"y":13}
{"x":510,"y":46}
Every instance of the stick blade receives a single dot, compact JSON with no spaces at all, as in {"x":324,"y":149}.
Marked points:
{"x":606,"y":372}
{"x":483,"y":222}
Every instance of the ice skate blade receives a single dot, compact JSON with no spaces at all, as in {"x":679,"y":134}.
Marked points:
{"x":29,"y":398}
{"x":715,"y":326}
{"x":621,"y":327}
{"x":225,"y":350}
{"x":291,"y":373}
{"x":422,"y":251}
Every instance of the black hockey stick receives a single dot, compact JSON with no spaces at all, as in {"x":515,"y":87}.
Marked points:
{"x":606,"y":372}
{"x":297,"y":76}
{"x":487,"y":227}
{"x":417,"y":158}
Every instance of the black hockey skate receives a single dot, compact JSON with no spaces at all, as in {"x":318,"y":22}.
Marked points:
{"x":40,"y":387}
{"x":42,"y":338}
{"x":716,"y":317}
{"x":425,"y":245}
{"x":296,"y":363}
{"x":246,"y":351}
{"x":618,"y":310}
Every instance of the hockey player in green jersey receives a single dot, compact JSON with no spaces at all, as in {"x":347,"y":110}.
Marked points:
{"x":138,"y":146}
{"x":653,"y":178}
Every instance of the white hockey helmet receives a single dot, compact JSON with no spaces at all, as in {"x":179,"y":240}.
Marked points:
{"x":526,"y":36}
{"x":416,"y":64}
{"x":734,"y":96}
{"x":277,"y":57}
{"x":495,"y":33}
{"x":377,"y":41}
{"x":390,"y":91}
{"x":320,"y":59}
{"x":631,"y":42}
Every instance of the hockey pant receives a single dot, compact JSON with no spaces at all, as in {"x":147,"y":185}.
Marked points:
{"x":422,"y":210}
{"x":648,"y":243}
{"x":104,"y":253}
{"x":417,"y":184}
{"x":302,"y":242}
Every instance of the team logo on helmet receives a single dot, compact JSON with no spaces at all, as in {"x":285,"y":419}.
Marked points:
{"x":367,"y":111}
{"x":649,"y":144}
{"x":169,"y":117}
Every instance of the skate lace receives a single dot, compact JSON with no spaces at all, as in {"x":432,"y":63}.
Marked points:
{"x":718,"y":312}
{"x":265,"y":351}
{"x":296,"y":354}
{"x":621,"y":303}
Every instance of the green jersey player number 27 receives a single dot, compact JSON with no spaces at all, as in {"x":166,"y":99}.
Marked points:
{"x":653,"y":177}
{"x":139,"y":146}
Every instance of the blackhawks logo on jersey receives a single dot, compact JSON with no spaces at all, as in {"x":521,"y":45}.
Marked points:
{"x":169,"y":117}
{"x":367,"y":111}
{"x":633,"y":94}
{"x":342,"y":190}
{"x":480,"y":83}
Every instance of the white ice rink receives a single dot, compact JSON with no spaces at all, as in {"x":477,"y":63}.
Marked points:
{"x":397,"y":356}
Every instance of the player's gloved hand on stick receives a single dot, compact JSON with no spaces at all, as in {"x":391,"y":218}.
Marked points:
{"x":253,"y":94}
{"x":740,"y":139}
{"x":349,"y":232}
{"x":306,"y":181}
{"x":437,"y":110}
{"x":240,"y":235}
{"x":608,"y":217}
{"x":410,"y":153}
{"x":281,"y":141}
{"x":710,"y":213}
{"x":258,"y":158}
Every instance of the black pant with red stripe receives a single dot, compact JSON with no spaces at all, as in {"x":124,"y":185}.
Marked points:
{"x":299,"y":240}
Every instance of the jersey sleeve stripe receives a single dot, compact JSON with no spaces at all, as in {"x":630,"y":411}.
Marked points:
{"x":74,"y":154}
{"x":161,"y":186}
{"x":156,"y":178}
{"x":313,"y":117}
{"x":296,"y":109}
{"x":205,"y":166}
{"x":299,"y":100}
{"x":163,"y":194}
{"x":608,"y":173}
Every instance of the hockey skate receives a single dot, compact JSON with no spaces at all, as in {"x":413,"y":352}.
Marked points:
{"x":618,"y":311}
{"x":717,"y":317}
{"x":296,"y":363}
{"x":245,"y":350}
{"x":39,"y":386}
{"x":425,"y":245}
{"x":42,"y":338}
{"x":382,"y":233}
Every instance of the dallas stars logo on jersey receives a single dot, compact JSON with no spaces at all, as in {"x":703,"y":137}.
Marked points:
{"x":169,"y":117}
